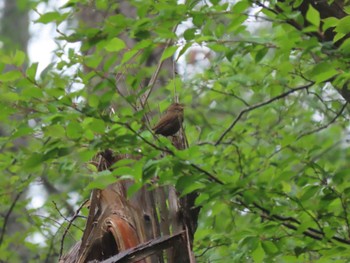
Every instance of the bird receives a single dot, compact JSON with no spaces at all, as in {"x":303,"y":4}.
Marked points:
{"x":171,"y":122}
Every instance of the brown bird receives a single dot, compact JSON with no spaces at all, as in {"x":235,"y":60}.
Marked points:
{"x":171,"y":122}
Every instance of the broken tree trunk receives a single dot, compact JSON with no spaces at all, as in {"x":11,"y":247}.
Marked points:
{"x":138,"y":229}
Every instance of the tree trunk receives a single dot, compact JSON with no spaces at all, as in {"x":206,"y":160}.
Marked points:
{"x":152,"y":220}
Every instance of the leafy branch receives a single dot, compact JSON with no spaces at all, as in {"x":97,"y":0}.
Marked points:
{"x":212,"y":177}
{"x":291,"y":223}
{"x":259,"y":105}
{"x":326,"y":125}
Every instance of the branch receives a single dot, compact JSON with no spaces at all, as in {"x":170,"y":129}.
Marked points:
{"x":229,"y":94}
{"x":51,"y":189}
{"x":292,"y":22}
{"x":239,"y":159}
{"x":259,"y":105}
{"x":7,"y":216}
{"x":298,"y":202}
{"x":207,"y":173}
{"x":326,"y":125}
{"x":288,"y":222}
{"x":212,"y":177}
{"x":157,"y":147}
{"x":65,"y":218}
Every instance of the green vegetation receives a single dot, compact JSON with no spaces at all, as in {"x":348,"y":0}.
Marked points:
{"x":267,"y":117}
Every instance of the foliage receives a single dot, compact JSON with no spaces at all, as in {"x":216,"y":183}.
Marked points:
{"x":264,"y":118}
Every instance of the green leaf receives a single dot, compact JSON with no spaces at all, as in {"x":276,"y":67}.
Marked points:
{"x":74,"y":130}
{"x":345,"y":47}
{"x":93,"y":100}
{"x":329,"y":22}
{"x":32,"y":92}
{"x":240,"y":7}
{"x":313,"y":16}
{"x":54,"y":131}
{"x":183,"y":50}
{"x":132,"y":190}
{"x":97,"y":125}
{"x":260,"y":54}
{"x":269,"y":247}
{"x":35,"y":159}
{"x":322,"y":72}
{"x":21,"y":131}
{"x":10,"y":76}
{"x":115,"y":45}
{"x":168,"y":52}
{"x":258,"y":254}
{"x":31,"y":71}
{"x":52,"y":17}
{"x":48,"y":17}
{"x":19,"y":58}
{"x":187,"y":184}
{"x":127,"y":56}
{"x":343,"y":26}
{"x":101,"y":180}
{"x":189,"y":34}
{"x":309,"y":192}
{"x":123,"y":171}
{"x":92,"y":61}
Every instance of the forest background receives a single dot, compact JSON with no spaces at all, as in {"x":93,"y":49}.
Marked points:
{"x":266,"y":89}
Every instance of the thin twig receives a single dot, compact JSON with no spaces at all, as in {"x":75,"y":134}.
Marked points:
{"x":211,"y":247}
{"x":259,"y":105}
{"x":230,"y":94}
{"x":69,"y":225}
{"x":65,"y":218}
{"x":239,"y":160}
{"x":307,"y":212}
{"x":326,"y":125}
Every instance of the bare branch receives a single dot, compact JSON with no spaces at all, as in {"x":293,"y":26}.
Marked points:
{"x":65,"y":218}
{"x":69,"y":225}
